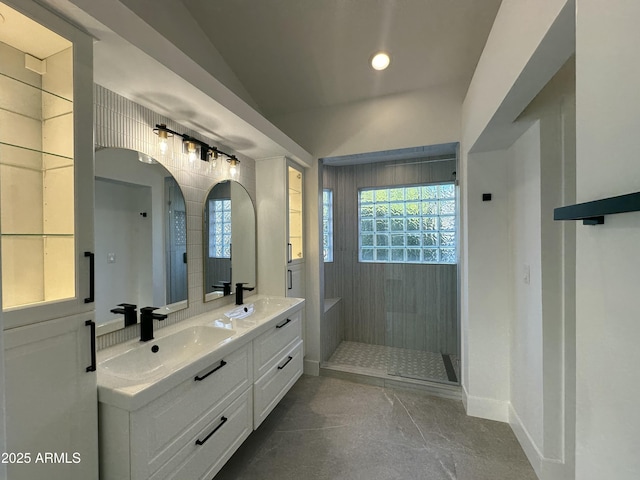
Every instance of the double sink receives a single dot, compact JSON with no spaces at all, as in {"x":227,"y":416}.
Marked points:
{"x":134,"y":372}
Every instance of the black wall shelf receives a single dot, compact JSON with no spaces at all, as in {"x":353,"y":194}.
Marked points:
{"x":592,"y":213}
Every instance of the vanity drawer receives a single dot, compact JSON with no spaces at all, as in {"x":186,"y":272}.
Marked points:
{"x":276,"y":382}
{"x":159,"y":430}
{"x":268,"y":347}
{"x":218,"y":435}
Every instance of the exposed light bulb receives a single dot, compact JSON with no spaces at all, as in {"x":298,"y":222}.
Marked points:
{"x":380,"y":61}
{"x":234,"y":166}
{"x":192,"y":151}
{"x":163,"y":145}
{"x":163,"y":135}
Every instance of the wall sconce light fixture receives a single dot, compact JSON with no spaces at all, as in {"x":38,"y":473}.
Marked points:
{"x":195,"y":148}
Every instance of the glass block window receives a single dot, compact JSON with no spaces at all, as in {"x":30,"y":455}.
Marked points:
{"x":408,"y":224}
{"x":327,"y":224}
{"x":220,"y":228}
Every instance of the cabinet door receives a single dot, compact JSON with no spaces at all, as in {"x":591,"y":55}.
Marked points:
{"x":46,"y":169}
{"x":295,"y":281}
{"x":295,"y":224}
{"x":51,"y":400}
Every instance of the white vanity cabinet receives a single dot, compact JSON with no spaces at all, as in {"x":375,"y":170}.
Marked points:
{"x":188,"y":432}
{"x":277,"y":356}
{"x":186,"y":424}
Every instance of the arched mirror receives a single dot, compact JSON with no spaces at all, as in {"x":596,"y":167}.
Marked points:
{"x":140,"y":237}
{"x":229,"y":228}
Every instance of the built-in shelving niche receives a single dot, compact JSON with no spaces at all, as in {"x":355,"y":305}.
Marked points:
{"x":593,"y":213}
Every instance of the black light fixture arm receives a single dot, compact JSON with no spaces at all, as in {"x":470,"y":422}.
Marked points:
{"x":204,"y":147}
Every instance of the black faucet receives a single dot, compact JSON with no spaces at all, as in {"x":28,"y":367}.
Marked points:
{"x":225,"y":287}
{"x":240,"y":291}
{"x":129,"y":312}
{"x":146,"y":322}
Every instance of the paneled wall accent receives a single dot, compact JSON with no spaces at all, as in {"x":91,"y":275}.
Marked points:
{"x":121,"y":123}
{"x":332,"y":327}
{"x":400,"y":305}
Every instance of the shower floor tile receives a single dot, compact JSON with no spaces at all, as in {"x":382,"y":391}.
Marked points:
{"x":381,"y":359}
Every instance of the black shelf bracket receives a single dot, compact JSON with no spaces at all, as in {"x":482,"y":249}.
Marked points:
{"x":593,"y":213}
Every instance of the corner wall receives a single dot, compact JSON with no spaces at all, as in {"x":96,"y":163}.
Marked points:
{"x":485,"y":270}
{"x":608,"y":261}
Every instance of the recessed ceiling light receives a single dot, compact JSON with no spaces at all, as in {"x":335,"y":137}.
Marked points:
{"x":380,"y":61}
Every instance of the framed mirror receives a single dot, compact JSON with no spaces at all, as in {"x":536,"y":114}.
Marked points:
{"x":140,"y":237}
{"x":229,"y":228}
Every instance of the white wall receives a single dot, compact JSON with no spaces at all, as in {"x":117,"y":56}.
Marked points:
{"x":525,"y":48}
{"x":543,"y":317}
{"x":526,"y":383}
{"x":485,"y":306}
{"x":527,"y":44}
{"x":121,"y":231}
{"x":426,"y":117}
{"x":608,"y":263}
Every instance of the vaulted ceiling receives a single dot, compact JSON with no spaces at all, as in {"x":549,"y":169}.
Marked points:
{"x":294,"y":55}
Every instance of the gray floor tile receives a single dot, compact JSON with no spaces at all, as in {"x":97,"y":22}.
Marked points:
{"x":327,"y":428}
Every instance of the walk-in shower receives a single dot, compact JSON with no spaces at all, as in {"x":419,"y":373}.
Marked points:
{"x":390,"y":271}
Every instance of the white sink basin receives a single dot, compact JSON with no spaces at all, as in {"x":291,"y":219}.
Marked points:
{"x":268,"y":304}
{"x":171,"y":352}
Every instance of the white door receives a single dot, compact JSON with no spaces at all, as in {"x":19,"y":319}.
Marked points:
{"x":51,"y":401}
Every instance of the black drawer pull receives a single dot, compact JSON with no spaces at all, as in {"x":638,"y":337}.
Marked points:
{"x":222,"y":364}
{"x":284,"y":323}
{"x":92,"y":324}
{"x":285,"y":363}
{"x":92,"y":277}
{"x":222,"y":422}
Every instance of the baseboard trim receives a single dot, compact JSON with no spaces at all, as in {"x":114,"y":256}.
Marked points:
{"x":545,"y":468}
{"x":311,"y":367}
{"x":526,"y":442}
{"x":488,"y":408}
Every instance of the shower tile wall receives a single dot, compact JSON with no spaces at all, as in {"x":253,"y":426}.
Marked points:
{"x":122,"y":123}
{"x":400,"y":305}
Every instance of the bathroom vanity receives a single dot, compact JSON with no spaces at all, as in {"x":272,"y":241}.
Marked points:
{"x":180,"y":405}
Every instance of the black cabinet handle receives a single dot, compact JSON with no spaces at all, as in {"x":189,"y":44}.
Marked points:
{"x":290,"y":286}
{"x":222,"y":364}
{"x":289,"y":253}
{"x":222,"y":422}
{"x":92,"y":324}
{"x":284,"y":323}
{"x":289,"y":358}
{"x":92,"y":277}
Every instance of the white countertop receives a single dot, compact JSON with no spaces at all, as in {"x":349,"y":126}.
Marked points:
{"x":131,"y":394}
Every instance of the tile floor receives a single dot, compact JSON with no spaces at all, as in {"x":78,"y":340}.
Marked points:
{"x":331,"y":429}
{"x":381,"y":359}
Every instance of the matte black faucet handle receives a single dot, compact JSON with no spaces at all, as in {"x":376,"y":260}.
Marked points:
{"x":149,"y":311}
{"x":127,"y":306}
